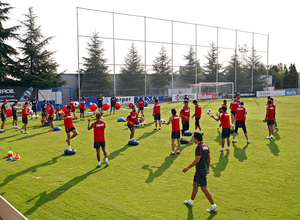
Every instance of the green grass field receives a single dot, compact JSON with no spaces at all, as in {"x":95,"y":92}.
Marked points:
{"x":256,"y":181}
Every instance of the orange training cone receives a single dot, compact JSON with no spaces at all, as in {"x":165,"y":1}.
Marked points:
{"x":17,"y":157}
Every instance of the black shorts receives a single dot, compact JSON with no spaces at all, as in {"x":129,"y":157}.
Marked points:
{"x":99,"y":144}
{"x":2,"y":117}
{"x":51,"y":117}
{"x":99,"y":105}
{"x":270,"y":122}
{"x":141,"y":108}
{"x":185,"y":126}
{"x":225,"y":132}
{"x":82,"y":110}
{"x":233,"y":112}
{"x":175,"y":135}
{"x":113,"y":105}
{"x":240,"y":124}
{"x":15,"y":117}
{"x":157,"y":116}
{"x":33,"y":108}
{"x":200,"y":177}
{"x":73,"y":110}
{"x":25,"y":120}
{"x":70,"y":129}
{"x":197,"y":123}
{"x":131,"y":127}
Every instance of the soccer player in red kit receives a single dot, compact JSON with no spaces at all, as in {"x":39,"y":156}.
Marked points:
{"x":238,"y":98}
{"x":131,"y":119}
{"x":233,"y":106}
{"x":141,"y":105}
{"x":241,"y":112}
{"x":185,"y":117}
{"x":69,"y":127}
{"x":275,"y":122}
{"x":156,"y":113}
{"x":197,"y":116}
{"x":72,"y":104}
{"x":81,"y":108}
{"x":50,"y":110}
{"x":99,"y":138}
{"x":174,"y":120}
{"x":220,"y":109}
{"x":225,"y":121}
{"x":270,"y":111}
{"x":25,"y":113}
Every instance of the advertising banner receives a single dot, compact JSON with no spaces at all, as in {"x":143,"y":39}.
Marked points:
{"x":206,"y":96}
{"x":291,"y":92}
{"x":247,"y":94}
{"x":149,"y":98}
{"x":17,"y":93}
{"x":270,"y":93}
{"x":180,"y":97}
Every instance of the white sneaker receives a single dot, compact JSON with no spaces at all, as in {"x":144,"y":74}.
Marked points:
{"x":189,"y":202}
{"x":248,"y":142}
{"x":14,"y":127}
{"x":221,"y":150}
{"x":212,"y":208}
{"x":227,"y":148}
{"x":26,"y":132}
{"x":231,"y":125}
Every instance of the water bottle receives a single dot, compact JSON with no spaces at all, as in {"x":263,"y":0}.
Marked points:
{"x":26,"y":95}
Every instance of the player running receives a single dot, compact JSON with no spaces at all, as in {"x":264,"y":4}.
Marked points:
{"x":14,"y":109}
{"x":174,"y":120}
{"x":202,"y":162}
{"x":113,"y":101}
{"x":141,"y":104}
{"x":185,"y":118}
{"x":99,"y":138}
{"x":34,"y":103}
{"x":25,"y":113}
{"x":69,"y":127}
{"x":241,"y":112}
{"x":50,"y":110}
{"x":81,"y":108}
{"x":270,"y":111}
{"x":197,"y":116}
{"x":3,"y":115}
{"x":131,"y":119}
{"x":233,"y":106}
{"x":156,"y":113}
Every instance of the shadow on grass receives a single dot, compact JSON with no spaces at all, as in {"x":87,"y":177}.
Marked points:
{"x":221,"y":166}
{"x":25,"y":136}
{"x":114,"y":154}
{"x":218,"y":138}
{"x":212,"y":215}
{"x":240,"y":153}
{"x":4,"y":138}
{"x":30,"y":170}
{"x":44,"y":198}
{"x":145,"y":135}
{"x":273,"y":147}
{"x":165,"y":165}
{"x":276,"y":135}
{"x":190,"y":212}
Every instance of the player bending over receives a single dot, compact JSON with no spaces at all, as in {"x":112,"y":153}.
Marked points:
{"x":69,"y":127}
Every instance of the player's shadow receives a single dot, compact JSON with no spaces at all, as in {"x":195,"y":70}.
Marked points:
{"x":212,"y":215}
{"x":221,"y":166}
{"x":118,"y":152}
{"x":44,"y":198}
{"x":240,"y":153}
{"x":26,"y":136}
{"x":190,"y":213}
{"x":276,"y":135}
{"x":218,"y":138}
{"x":169,"y":160}
{"x":145,"y":135}
{"x":32,"y":169}
{"x":6,"y":137}
{"x":273,"y":147}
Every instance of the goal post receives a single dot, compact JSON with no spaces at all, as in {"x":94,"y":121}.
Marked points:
{"x":213,"y":90}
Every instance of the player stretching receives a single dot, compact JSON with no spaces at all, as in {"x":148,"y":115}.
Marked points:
{"x":225,"y":121}
{"x":185,"y":117}
{"x":141,"y":105}
{"x":131,"y":119}
{"x":233,"y":106}
{"x":241,"y":112}
{"x":113,"y":101}
{"x":270,"y":111}
{"x":3,"y":115}
{"x":174,"y":120}
{"x":197,"y":116}
{"x":25,"y":113}
{"x":156,"y":113}
{"x":14,"y":109}
{"x":99,"y":139}
{"x":34,"y":103}
{"x":51,"y":114}
{"x":202,"y":162}
{"x":68,"y":122}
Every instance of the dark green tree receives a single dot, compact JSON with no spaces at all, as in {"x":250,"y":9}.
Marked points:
{"x":290,"y":79}
{"x":95,"y":72}
{"x":37,"y":66}
{"x":7,"y":52}
{"x":212,"y":65}
{"x":189,"y":70}
{"x":133,"y":73}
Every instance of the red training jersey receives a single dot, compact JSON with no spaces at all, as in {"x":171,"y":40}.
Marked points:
{"x":156,"y":108}
{"x":25,"y":109}
{"x":82,"y":104}
{"x":225,"y":120}
{"x":197,"y":111}
{"x":132,"y":117}
{"x":99,"y":127}
{"x":186,"y":112}
{"x":274,"y":105}
{"x":175,"y":123}
{"x":141,"y":103}
{"x":50,"y":110}
{"x":271,"y":112}
{"x":234,"y":105}
{"x":240,"y":113}
{"x":68,"y":121}
{"x":71,"y":103}
{"x":238,"y":99}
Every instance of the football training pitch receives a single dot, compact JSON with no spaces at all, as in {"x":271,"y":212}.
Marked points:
{"x":260,"y":180}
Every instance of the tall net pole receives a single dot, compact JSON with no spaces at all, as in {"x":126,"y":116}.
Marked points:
{"x":78,"y":65}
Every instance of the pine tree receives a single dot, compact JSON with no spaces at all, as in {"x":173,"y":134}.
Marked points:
{"x":95,"y":73}
{"x":133,"y":73}
{"x":7,"y":52}
{"x":37,"y":66}
{"x":189,"y":70}
{"x":213,"y":65}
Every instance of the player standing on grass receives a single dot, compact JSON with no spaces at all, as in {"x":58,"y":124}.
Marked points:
{"x":100,"y":102}
{"x":238,"y":98}
{"x":174,"y":120}
{"x":274,"y":105}
{"x":220,"y":109}
{"x":113,"y":101}
{"x":233,"y":106}
{"x":14,"y":109}
{"x":99,"y":138}
{"x":3,"y":115}
{"x":156,"y":113}
{"x":241,"y":112}
{"x":81,"y":108}
{"x":185,"y":98}
{"x":141,"y":105}
{"x":43,"y":108}
{"x":34,"y":103}
{"x":73,"y":109}
{"x":185,"y":117}
{"x":197,"y":116}
{"x":69,"y":127}
{"x":202,"y":162}
{"x":25,"y":113}
{"x":131,"y":119}
{"x":51,"y":114}
{"x":225,"y":121}
{"x":270,"y":111}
